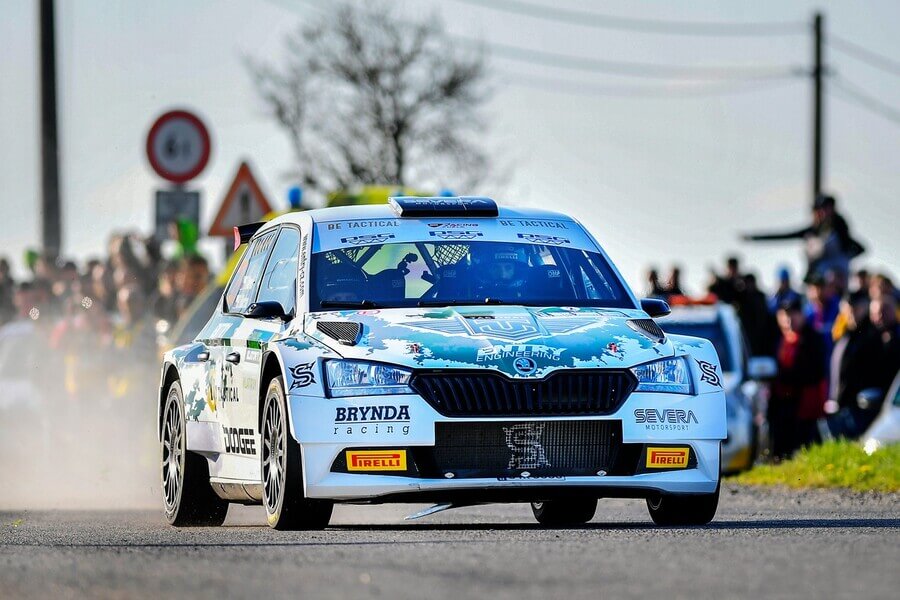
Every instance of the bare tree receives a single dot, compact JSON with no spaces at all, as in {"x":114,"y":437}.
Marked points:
{"x":367,"y":97}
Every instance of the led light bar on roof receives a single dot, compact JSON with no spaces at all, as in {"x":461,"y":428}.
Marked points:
{"x":439,"y":206}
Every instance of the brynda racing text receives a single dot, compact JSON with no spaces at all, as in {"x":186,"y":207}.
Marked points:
{"x":385,"y":420}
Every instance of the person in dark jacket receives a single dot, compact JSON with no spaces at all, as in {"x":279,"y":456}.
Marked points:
{"x":798,"y":391}
{"x":828,"y":241}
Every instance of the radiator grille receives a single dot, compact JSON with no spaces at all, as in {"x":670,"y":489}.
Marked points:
{"x":484,"y":393}
{"x":509,"y":449}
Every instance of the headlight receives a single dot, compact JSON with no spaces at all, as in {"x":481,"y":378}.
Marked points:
{"x":357,"y":378}
{"x":670,"y":375}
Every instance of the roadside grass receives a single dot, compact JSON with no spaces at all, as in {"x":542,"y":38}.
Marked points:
{"x":836,"y":464}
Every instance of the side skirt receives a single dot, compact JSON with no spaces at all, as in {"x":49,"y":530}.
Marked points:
{"x":239,"y":492}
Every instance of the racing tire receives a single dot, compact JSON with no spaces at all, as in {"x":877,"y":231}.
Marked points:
{"x":564,"y":513}
{"x":188,"y":498}
{"x":282,"y":470}
{"x":695,"y":509}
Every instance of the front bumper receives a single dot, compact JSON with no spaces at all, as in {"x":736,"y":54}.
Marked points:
{"x":326,"y":428}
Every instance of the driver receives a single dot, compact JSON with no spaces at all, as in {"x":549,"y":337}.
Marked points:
{"x":340,"y":282}
{"x":500,"y":270}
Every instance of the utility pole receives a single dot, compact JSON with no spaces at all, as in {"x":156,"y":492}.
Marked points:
{"x":818,"y":93}
{"x":51,"y":230}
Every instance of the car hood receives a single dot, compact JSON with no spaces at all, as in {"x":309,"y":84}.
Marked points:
{"x":502,"y":338}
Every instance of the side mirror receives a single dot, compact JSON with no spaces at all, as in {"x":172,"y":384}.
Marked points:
{"x":655,"y":307}
{"x":761,"y":367}
{"x":267,"y":310}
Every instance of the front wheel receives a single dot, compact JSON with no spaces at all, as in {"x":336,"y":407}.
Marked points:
{"x":696,"y":509}
{"x":563,"y":513}
{"x":282,"y":471}
{"x":188,"y":497}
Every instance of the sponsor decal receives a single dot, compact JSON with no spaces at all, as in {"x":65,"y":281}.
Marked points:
{"x":374,"y":420}
{"x":301,"y":270}
{"x":669,"y":419}
{"x":302,"y":375}
{"x":239,"y":441}
{"x":515,"y":351}
{"x":456,"y":235}
{"x":508,"y":328}
{"x":253,"y":356}
{"x":708,"y":373}
{"x":526,"y":447}
{"x":529,"y":476}
{"x":452,"y":225}
{"x":544,"y":239}
{"x":667,"y":458}
{"x":229,"y":389}
{"x":533,"y":223}
{"x":374,"y":238}
{"x":524,"y":365}
{"x":376,"y":460}
{"x":364,"y":223}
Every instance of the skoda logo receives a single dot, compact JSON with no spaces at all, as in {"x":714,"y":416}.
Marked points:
{"x":524,"y":365}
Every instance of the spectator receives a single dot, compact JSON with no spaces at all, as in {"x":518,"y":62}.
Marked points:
{"x":861,"y":281}
{"x":785,"y":292}
{"x":823,"y":304}
{"x":828,"y":241}
{"x":728,"y":286}
{"x":7,"y":289}
{"x":164,"y":301}
{"x":190,"y":281}
{"x":759,"y":325}
{"x":851,"y":367}
{"x":673,"y":285}
{"x":654,"y":288}
{"x":798,"y":391}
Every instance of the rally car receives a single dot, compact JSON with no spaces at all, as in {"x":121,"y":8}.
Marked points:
{"x":436,"y":350}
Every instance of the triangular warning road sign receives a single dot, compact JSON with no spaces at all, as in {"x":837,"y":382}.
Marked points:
{"x":243,"y":203}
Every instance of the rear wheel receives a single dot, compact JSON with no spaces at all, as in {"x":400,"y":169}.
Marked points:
{"x":562,"y":513}
{"x":282,"y":473}
{"x":189,"y":499}
{"x":695,"y":509}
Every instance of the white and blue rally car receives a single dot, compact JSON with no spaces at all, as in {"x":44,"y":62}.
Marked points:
{"x":436,"y":350}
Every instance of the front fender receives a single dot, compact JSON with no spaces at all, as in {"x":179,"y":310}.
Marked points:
{"x":300,"y":361}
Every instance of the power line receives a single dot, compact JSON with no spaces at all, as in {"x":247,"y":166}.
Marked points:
{"x":718,"y":88}
{"x":869,"y":57}
{"x":631,"y":69}
{"x":637,"y":69}
{"x":856,"y":94}
{"x":603,"y":21}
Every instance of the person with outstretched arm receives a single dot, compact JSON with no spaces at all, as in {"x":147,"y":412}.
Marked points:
{"x":828,"y":241}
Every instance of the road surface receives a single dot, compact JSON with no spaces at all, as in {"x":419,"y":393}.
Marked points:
{"x":762,"y":544}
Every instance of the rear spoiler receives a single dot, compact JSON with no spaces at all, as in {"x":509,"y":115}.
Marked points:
{"x":243,"y":233}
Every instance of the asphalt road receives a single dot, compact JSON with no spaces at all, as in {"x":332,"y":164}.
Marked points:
{"x":762,"y":544}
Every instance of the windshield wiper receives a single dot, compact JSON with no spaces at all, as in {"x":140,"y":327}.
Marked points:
{"x":438,"y":303}
{"x":347,"y":304}
{"x":472,"y":302}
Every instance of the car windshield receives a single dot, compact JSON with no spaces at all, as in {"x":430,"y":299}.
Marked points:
{"x":455,"y":273}
{"x":710,"y":331}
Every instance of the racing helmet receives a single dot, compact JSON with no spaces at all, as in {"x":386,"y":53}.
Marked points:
{"x":499,"y":265}
{"x":340,"y":282}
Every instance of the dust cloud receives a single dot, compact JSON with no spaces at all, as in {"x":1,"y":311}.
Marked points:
{"x":77,"y":427}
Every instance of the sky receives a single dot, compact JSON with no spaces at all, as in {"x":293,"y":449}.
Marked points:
{"x":659,"y":178}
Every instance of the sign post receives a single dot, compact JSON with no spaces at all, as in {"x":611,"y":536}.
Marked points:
{"x":244,"y":202}
{"x":178,"y":149}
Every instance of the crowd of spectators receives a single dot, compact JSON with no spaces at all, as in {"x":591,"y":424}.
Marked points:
{"x":835,"y":339}
{"x":95,"y":324}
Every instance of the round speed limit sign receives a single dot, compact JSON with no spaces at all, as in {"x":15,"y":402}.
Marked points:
{"x":178,"y":146}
